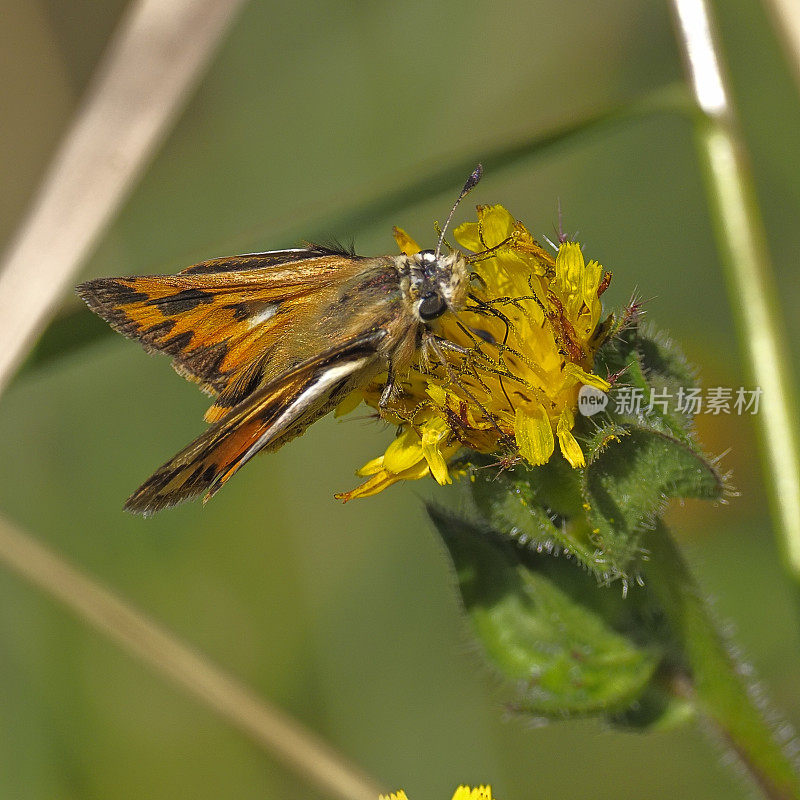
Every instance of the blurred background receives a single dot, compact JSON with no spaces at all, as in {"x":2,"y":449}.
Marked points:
{"x":346,"y":615}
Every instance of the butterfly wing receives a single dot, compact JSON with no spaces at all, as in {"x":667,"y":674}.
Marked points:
{"x":220,"y":320}
{"x":270,"y":416}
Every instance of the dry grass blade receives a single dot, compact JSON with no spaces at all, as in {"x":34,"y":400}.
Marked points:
{"x":785,"y":15}
{"x":280,"y":735}
{"x":150,"y":66}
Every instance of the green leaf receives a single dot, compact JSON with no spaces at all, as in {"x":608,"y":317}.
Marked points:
{"x":571,"y":646}
{"x":627,"y":483}
{"x":540,"y":507}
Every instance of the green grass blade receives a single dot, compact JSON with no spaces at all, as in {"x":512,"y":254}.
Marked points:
{"x":748,"y":271}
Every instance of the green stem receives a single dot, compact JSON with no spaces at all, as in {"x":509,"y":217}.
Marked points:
{"x":713,"y":680}
{"x":742,"y":243}
{"x":751,"y":286}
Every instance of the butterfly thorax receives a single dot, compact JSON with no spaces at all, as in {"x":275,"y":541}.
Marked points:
{"x":397,"y":294}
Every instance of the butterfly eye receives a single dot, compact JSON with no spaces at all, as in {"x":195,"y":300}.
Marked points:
{"x":431,"y":306}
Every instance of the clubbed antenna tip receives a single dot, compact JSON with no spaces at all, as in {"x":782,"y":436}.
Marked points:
{"x":472,"y":181}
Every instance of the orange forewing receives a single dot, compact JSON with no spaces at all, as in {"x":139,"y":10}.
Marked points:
{"x":220,"y":319}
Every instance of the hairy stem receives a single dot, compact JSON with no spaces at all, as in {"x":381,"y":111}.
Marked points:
{"x":712,"y":677}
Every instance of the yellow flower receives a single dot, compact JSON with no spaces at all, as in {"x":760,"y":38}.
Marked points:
{"x":478,"y":793}
{"x":525,"y":344}
{"x":462,"y":793}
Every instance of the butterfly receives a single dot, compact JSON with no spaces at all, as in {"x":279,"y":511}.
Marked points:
{"x":279,"y":339}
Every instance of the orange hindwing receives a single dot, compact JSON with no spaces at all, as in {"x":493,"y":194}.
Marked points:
{"x":273,"y":414}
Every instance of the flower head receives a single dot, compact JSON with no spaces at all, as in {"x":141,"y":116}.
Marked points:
{"x":504,"y":373}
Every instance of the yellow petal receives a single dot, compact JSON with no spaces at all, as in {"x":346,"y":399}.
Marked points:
{"x":383,"y":480}
{"x":496,"y":223}
{"x":591,"y":280}
{"x":403,"y":452}
{"x":406,"y":244}
{"x":467,"y":234}
{"x":377,"y":483}
{"x":401,"y":795}
{"x":478,"y":793}
{"x":350,"y":403}
{"x":569,"y":446}
{"x":371,"y":467}
{"x":569,"y":269}
{"x":580,"y":375}
{"x":534,"y":436}
{"x":432,"y":452}
{"x":437,"y":394}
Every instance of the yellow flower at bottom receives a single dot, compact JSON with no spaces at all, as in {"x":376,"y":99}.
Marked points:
{"x":478,"y":793}
{"x":462,"y":793}
{"x":524,"y":345}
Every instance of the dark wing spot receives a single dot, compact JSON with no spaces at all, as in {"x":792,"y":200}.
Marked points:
{"x":244,"y":383}
{"x":250,"y":309}
{"x":181,"y":302}
{"x":176,"y":344}
{"x":240,"y":311}
{"x":157,"y":331}
{"x":209,"y":475}
{"x":205,"y":361}
{"x":237,"y":391}
{"x":193,"y":479}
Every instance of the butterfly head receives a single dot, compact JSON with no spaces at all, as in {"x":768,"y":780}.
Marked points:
{"x":435,"y":284}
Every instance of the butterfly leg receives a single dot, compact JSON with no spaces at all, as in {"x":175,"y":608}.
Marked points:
{"x":390,"y":391}
{"x":436,"y":346}
{"x":439,"y":346}
{"x":450,"y":347}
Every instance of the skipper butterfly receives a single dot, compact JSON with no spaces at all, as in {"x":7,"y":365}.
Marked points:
{"x":279,"y":339}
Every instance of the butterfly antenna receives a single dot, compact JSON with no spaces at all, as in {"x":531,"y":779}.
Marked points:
{"x":472,"y":181}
